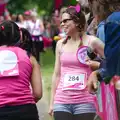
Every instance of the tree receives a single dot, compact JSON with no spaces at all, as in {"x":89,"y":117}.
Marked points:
{"x":19,"y":6}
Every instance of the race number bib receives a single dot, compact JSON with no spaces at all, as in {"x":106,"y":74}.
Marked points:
{"x":74,"y":82}
{"x":8,"y":63}
{"x":82,"y":54}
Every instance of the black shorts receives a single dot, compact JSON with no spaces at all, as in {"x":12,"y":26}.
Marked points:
{"x":38,"y":43}
{"x":20,"y":112}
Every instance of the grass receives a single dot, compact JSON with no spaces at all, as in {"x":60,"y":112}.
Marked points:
{"x":47,"y":66}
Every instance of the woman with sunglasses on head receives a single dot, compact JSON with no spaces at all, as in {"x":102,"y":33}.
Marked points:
{"x":70,"y":99}
{"x":18,"y":71}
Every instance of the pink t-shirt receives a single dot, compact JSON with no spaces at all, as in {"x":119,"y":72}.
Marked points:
{"x":15,"y":76}
{"x":72,"y":85}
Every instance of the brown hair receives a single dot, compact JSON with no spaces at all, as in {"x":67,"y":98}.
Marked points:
{"x":77,"y":17}
{"x":103,"y":8}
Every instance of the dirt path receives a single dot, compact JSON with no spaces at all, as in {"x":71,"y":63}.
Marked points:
{"x":42,"y":106}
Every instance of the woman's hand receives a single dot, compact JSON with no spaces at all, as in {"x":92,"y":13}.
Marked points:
{"x":92,"y":82}
{"x":94,"y":65}
{"x":50,"y":112}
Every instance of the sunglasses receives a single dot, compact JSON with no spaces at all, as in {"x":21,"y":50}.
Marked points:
{"x":65,"y":21}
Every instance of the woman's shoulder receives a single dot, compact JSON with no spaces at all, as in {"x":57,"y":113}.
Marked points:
{"x":60,"y":44}
{"x":60,"y":41}
{"x":19,"y":49}
{"x":33,"y":61}
{"x":22,"y":54}
{"x":93,"y":38}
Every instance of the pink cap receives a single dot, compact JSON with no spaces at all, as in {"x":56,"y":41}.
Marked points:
{"x":28,"y":12}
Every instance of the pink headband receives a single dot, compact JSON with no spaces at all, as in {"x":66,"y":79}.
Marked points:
{"x":77,"y":8}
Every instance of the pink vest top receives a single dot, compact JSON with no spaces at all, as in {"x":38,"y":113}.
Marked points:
{"x":15,"y":76}
{"x":72,"y":70}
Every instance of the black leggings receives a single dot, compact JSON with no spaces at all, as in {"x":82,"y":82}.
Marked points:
{"x":20,"y":112}
{"x":68,"y":116}
{"x":38,"y":47}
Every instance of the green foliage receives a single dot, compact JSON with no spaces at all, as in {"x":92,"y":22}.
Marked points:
{"x":43,"y":6}
{"x":69,"y":2}
{"x":16,"y":6}
{"x":19,"y":6}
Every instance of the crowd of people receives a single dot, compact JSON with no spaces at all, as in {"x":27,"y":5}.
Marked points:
{"x":43,"y":30}
{"x":85,"y":40}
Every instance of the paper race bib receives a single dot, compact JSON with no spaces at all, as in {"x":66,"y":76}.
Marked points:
{"x":74,"y":82}
{"x":8,"y":63}
{"x":82,"y":54}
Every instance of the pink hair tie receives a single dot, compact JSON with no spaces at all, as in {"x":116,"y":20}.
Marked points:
{"x":77,"y":8}
{"x":2,"y":28}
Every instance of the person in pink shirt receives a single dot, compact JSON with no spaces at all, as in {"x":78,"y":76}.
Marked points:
{"x":70,"y":99}
{"x":18,"y":71}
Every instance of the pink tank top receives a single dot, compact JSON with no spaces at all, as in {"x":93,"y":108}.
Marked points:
{"x":72,"y":73}
{"x":15,"y":76}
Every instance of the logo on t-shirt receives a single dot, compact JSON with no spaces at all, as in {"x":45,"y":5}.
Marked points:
{"x":82,"y":54}
{"x":8,"y":63}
